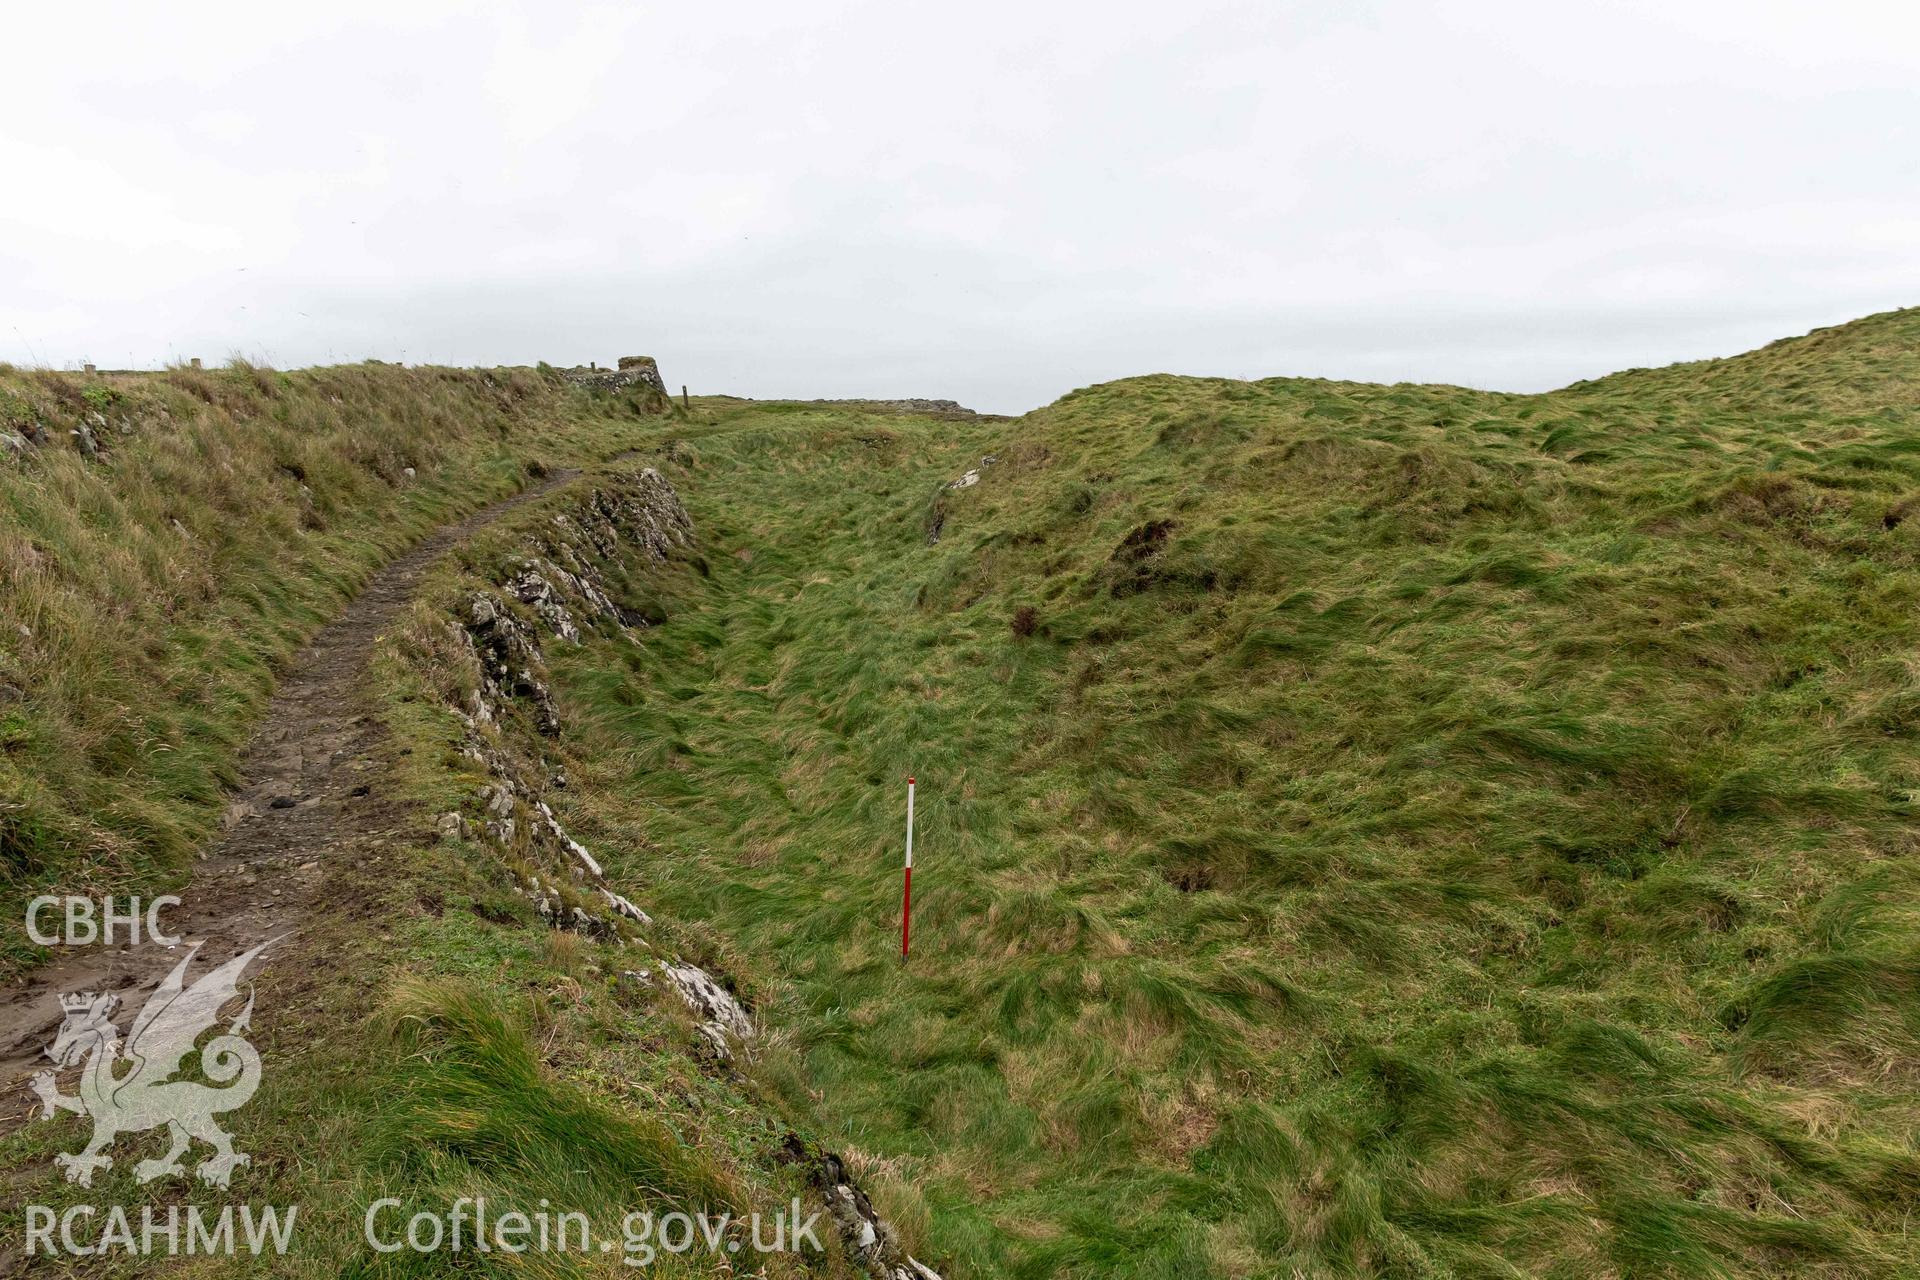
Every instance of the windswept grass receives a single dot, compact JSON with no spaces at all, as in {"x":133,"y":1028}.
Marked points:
{"x":1415,"y":832}
{"x":146,"y":592}
{"x":432,"y":1042}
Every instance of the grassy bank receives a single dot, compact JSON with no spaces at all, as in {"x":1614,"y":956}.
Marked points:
{"x":1365,"y":830}
{"x":166,"y":539}
{"x":503,"y":1059}
{"x":433,"y":1042}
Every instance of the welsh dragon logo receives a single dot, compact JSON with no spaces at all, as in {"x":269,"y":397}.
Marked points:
{"x":133,"y":1090}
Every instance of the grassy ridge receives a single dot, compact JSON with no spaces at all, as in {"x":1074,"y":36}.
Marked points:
{"x":1423,"y":832}
{"x":146,"y":592}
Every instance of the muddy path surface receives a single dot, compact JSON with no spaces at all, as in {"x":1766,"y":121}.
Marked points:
{"x":309,"y":807}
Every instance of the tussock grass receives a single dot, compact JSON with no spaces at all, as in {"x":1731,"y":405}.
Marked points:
{"x":147,"y":593}
{"x":1422,"y":832}
{"x":442,"y":1044}
{"x":477,"y":1113}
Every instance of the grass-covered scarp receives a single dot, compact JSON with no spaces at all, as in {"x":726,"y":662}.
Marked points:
{"x":1365,"y":830}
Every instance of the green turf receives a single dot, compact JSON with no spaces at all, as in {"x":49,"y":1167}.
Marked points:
{"x":1426,"y":832}
{"x":433,"y":1042}
{"x":148,"y":593}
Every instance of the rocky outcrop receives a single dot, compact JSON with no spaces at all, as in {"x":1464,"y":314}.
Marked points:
{"x":565,"y":580}
{"x":59,"y":408}
{"x":722,"y":1019}
{"x":869,"y":1238}
{"x":644,"y":512}
{"x":508,"y":655}
{"x":971,"y":476}
{"x":905,"y":408}
{"x":909,"y":408}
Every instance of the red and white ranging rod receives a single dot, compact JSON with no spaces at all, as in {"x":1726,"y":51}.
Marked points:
{"x":906,"y":881}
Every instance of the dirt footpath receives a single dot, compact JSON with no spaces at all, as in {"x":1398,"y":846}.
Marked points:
{"x":310,"y":803}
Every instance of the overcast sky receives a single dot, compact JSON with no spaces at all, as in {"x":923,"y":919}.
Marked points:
{"x":992,"y":202}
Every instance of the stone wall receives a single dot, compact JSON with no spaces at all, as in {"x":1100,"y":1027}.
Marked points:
{"x":641,"y":372}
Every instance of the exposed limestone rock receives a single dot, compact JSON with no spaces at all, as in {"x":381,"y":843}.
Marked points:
{"x":625,"y":908}
{"x":552,"y":904}
{"x":586,"y":861}
{"x":908,"y":407}
{"x":509,"y":659}
{"x":532,"y":587}
{"x":869,"y":1238}
{"x":642,"y":509}
{"x":855,"y":1218}
{"x":971,"y":476}
{"x":636,"y":512}
{"x":564,"y":585}
{"x":723,"y":1022}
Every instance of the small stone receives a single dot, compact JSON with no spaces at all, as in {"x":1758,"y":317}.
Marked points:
{"x":282,"y":802}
